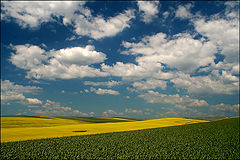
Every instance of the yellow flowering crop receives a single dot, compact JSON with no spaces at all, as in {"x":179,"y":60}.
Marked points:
{"x":38,"y":128}
{"x":42,"y":121}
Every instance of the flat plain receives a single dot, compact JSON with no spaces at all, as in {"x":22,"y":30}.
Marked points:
{"x":19,"y":128}
{"x":218,"y":139}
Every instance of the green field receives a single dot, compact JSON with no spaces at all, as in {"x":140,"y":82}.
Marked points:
{"x":213,"y":140}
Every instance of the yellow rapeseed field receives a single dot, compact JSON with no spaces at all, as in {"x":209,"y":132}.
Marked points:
{"x":25,"y":128}
{"x":42,"y":121}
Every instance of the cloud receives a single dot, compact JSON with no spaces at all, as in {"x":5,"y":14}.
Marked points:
{"x":71,"y":38}
{"x":65,"y":63}
{"x":182,"y":52}
{"x":91,"y":113}
{"x":150,"y":84}
{"x":220,"y":78}
{"x":77,"y":112}
{"x":33,"y":101}
{"x":218,"y":110}
{"x":133,"y":72}
{"x":98,"y":27}
{"x":71,"y":14}
{"x":33,"y":14}
{"x":134,"y":111}
{"x":232,"y":9}
{"x":43,"y":45}
{"x":79,"y":55}
{"x":108,"y":83}
{"x":226,"y":107}
{"x":148,"y":9}
{"x":170,"y":113}
{"x":186,"y":54}
{"x":101,"y":91}
{"x":156,"y":97}
{"x":214,"y":83}
{"x":184,"y":11}
{"x":111,"y":112}
{"x":235,"y":69}
{"x":126,"y":71}
{"x":7,"y":85}
{"x":227,"y":42}
{"x":10,"y":96}
{"x":28,"y":56}
{"x":57,"y":70}
{"x":11,"y":92}
{"x":166,"y":14}
{"x":55,"y":108}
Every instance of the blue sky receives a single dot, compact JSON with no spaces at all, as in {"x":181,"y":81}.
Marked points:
{"x":125,"y":59}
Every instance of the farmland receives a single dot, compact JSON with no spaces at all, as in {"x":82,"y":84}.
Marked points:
{"x":18,"y":128}
{"x":213,"y":140}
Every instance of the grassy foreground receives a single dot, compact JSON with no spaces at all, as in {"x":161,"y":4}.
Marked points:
{"x":213,"y":140}
{"x":29,"y":128}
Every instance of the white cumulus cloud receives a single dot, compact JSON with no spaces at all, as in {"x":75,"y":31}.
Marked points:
{"x":73,"y":14}
{"x":32,"y":14}
{"x":28,"y":56}
{"x":65,"y":63}
{"x":148,"y":9}
{"x":111,"y":112}
{"x":133,"y":72}
{"x":150,"y":84}
{"x":183,"y":52}
{"x":134,"y":111}
{"x":33,"y":101}
{"x":50,"y":107}
{"x":108,"y":83}
{"x":156,"y":97}
{"x":98,"y":27}
{"x":214,"y":83}
{"x":226,"y":107}
{"x":228,"y":41}
{"x":184,"y":11}
{"x":79,"y":55}
{"x":11,"y":92}
{"x":101,"y":91}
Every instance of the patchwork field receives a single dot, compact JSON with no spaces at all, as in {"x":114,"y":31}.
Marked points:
{"x":217,"y":139}
{"x":20,"y":128}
